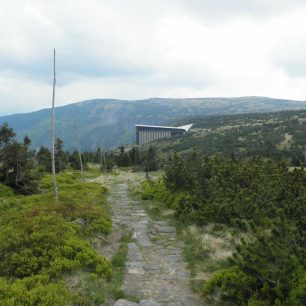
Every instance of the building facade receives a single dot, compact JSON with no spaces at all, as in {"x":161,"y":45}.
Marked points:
{"x":148,"y":133}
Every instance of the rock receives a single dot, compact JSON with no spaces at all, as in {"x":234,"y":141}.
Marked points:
{"x":135,"y":268}
{"x":125,"y":303}
{"x":165,"y":295}
{"x":79,"y":221}
{"x":133,"y":246}
{"x":148,"y":303}
{"x":134,"y":256}
{"x":155,"y":271}
{"x":152,"y":267}
{"x":165,"y":229}
{"x":152,"y":230}
{"x":190,"y":301}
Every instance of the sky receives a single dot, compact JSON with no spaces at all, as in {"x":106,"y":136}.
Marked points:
{"x":137,"y":49}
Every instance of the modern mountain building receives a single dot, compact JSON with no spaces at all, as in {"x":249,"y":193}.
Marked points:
{"x":148,"y":133}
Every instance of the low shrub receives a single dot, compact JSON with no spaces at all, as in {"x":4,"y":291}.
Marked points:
{"x":6,"y":191}
{"x":33,"y":290}
{"x":39,"y":241}
{"x":233,"y":284}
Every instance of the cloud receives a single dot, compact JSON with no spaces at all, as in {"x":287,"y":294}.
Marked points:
{"x":18,"y":94}
{"x":218,"y":10}
{"x":137,"y":49}
{"x":288,"y":52}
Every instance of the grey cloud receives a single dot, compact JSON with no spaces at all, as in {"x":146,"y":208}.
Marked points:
{"x":217,"y":10}
{"x":293,"y":66}
{"x":138,"y":49}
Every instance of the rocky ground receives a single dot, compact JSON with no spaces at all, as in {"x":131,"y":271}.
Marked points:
{"x":156,"y":273}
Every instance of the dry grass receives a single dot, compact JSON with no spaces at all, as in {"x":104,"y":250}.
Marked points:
{"x":207,"y":249}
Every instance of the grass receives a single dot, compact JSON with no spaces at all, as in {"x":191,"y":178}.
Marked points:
{"x":96,"y":290}
{"x":118,"y":263}
{"x":206,"y":251}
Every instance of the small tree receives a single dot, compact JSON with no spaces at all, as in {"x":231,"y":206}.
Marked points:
{"x":43,"y":158}
{"x":17,"y":167}
{"x":134,"y":156}
{"x":122,"y":158}
{"x":151,"y":160}
{"x":6,"y":134}
{"x":61,"y":159}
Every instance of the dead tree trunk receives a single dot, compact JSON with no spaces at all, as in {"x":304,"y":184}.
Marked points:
{"x":101,"y":160}
{"x":80,"y":155}
{"x":52,"y":132}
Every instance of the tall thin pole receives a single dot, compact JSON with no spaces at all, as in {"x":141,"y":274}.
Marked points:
{"x":101,"y":160}
{"x":80,"y":155}
{"x":52,"y":131}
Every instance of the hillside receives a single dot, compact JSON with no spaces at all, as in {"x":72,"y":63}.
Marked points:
{"x":279,"y":135}
{"x":109,"y":123}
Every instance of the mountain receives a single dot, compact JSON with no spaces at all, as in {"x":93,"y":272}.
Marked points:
{"x":110,"y":123}
{"x":277,"y":135}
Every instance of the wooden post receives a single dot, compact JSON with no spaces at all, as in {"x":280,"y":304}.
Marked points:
{"x":52,"y":132}
{"x":80,"y":155}
{"x":101,"y":160}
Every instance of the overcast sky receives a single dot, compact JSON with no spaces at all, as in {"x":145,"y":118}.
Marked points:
{"x":134,"y":49}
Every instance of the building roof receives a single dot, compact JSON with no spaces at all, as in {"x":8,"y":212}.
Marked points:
{"x":186,"y":128}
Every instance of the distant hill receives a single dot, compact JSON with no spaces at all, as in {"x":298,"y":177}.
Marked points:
{"x":277,"y":135}
{"x":109,"y":123}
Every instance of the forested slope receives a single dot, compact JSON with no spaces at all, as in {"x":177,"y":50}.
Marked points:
{"x":110,"y":123}
{"x":278,"y":135}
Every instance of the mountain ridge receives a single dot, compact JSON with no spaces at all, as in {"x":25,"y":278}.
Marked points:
{"x":110,"y":122}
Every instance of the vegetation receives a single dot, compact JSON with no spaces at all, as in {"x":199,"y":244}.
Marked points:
{"x":146,"y":160}
{"x":139,"y":159}
{"x":278,"y":136}
{"x":260,"y":198}
{"x":43,"y":157}
{"x":110,"y":123}
{"x":17,"y":162}
{"x":43,"y":241}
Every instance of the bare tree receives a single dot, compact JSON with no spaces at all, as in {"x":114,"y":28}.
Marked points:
{"x":102,"y":159}
{"x":78,"y":146}
{"x":52,"y":132}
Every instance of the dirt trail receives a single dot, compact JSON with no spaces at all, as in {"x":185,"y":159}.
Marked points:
{"x":155,"y":269}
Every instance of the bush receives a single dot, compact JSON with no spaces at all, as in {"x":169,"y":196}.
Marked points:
{"x":6,"y":191}
{"x":34,"y":290}
{"x":233,"y":284}
{"x":39,"y":242}
{"x":258,"y":196}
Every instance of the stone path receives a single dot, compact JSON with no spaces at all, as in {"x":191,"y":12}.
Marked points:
{"x":155,"y":270}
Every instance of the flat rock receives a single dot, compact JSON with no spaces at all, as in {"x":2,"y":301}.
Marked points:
{"x":125,"y":303}
{"x":135,"y":268}
{"x":79,"y":221}
{"x":189,"y":301}
{"x":134,"y":256}
{"x":165,"y":229}
{"x":148,"y":303}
